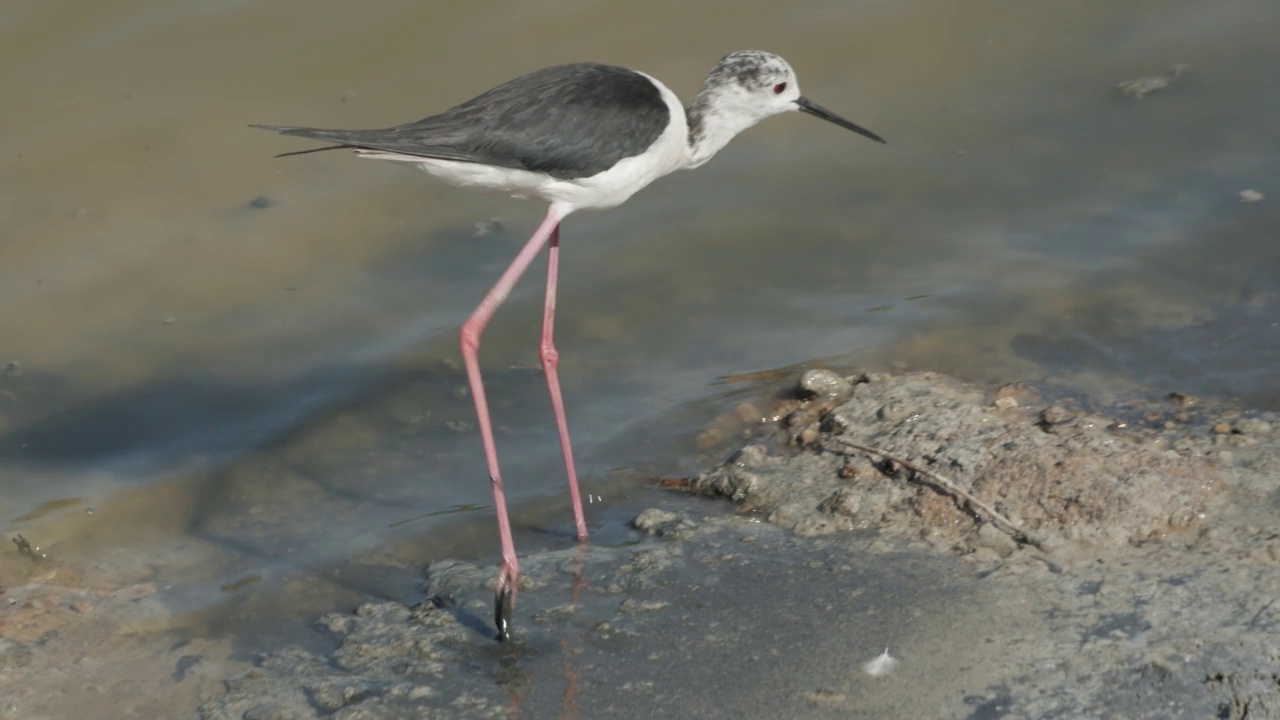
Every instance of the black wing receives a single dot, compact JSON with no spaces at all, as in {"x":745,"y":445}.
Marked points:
{"x":566,"y":121}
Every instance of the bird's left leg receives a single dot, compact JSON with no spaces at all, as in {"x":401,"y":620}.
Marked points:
{"x":550,"y":359}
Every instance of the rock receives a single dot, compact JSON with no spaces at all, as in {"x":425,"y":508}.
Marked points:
{"x":819,"y":383}
{"x":1055,"y":415}
{"x":653,"y":520}
{"x":650,"y":519}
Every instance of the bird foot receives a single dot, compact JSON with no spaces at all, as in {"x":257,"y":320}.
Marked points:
{"x":503,"y":609}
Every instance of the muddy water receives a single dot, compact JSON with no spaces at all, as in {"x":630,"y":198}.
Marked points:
{"x":233,"y":371}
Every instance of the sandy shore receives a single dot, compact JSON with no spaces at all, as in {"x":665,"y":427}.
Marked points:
{"x":1019,"y":556}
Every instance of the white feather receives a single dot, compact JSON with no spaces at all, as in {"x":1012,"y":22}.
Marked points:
{"x":880,"y":665}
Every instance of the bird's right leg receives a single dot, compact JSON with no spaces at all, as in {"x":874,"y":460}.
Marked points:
{"x":470,"y":340}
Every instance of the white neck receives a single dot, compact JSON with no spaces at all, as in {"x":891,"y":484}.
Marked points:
{"x":715,"y":117}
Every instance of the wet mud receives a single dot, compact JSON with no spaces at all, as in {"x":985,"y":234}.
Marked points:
{"x":1136,"y":577}
{"x":83,"y":641}
{"x":923,"y":454}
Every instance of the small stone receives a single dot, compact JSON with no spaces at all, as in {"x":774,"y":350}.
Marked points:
{"x":1055,"y":415}
{"x":262,"y":202}
{"x":1251,"y":196}
{"x":1015,"y":395}
{"x":654,"y":520}
{"x":12,"y":368}
{"x":824,"y":384}
{"x":808,"y":436}
{"x":1221,"y":429}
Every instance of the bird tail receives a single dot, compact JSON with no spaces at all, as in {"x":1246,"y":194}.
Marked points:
{"x":343,"y":138}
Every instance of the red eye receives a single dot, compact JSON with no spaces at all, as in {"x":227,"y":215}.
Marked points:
{"x":779,"y":88}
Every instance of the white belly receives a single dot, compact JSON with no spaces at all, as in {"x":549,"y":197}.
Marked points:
{"x":603,"y":190}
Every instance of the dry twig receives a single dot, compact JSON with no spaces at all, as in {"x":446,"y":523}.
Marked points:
{"x":996,"y":518}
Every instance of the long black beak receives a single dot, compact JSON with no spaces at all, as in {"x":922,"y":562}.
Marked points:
{"x":812,"y":108}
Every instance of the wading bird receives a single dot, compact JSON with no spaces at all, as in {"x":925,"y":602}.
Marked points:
{"x":580,"y":137}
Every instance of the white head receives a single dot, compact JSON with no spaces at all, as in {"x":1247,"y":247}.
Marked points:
{"x":741,"y":90}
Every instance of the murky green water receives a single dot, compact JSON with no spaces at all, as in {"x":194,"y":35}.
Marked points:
{"x":246,"y":396}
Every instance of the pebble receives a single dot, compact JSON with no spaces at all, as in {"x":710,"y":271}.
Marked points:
{"x":653,"y":519}
{"x":825,"y":384}
{"x":1251,"y":196}
{"x":1056,"y":415}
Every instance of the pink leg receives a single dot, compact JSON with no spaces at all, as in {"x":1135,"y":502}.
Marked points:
{"x":551,"y":358}
{"x":470,"y":338}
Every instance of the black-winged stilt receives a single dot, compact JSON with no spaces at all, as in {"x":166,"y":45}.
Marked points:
{"x":580,"y":137}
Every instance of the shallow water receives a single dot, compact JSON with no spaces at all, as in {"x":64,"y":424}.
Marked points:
{"x":220,"y":394}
